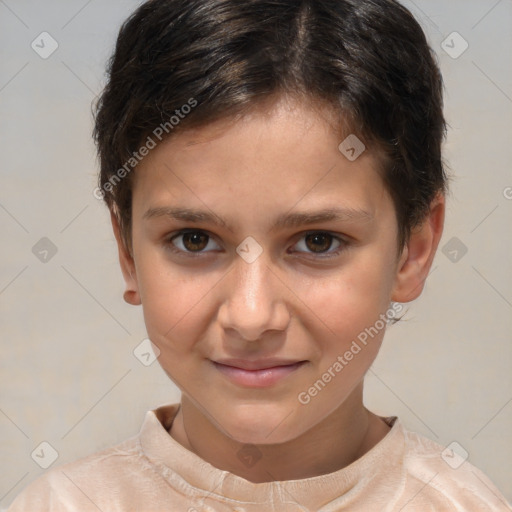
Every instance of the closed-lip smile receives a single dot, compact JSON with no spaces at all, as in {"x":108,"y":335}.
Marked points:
{"x":259,"y":373}
{"x":257,"y":364}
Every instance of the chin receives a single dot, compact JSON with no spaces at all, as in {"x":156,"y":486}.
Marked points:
{"x":262,"y":428}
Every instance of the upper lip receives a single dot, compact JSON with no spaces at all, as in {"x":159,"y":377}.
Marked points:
{"x":257,"y":364}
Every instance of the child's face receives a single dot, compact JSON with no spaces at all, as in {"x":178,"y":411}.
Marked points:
{"x":288,"y":302}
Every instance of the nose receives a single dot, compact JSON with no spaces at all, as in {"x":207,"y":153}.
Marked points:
{"x":254,"y":300}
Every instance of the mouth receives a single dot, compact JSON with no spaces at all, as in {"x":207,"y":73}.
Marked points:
{"x":263,"y":374}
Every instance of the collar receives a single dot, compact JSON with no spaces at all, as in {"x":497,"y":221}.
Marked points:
{"x":376,"y":477}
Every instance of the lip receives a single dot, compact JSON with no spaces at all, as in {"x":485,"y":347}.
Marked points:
{"x":257,"y":364}
{"x":262,"y":374}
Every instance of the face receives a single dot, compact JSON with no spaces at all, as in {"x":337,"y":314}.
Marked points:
{"x":260,"y":242}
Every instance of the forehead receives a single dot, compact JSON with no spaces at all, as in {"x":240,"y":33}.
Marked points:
{"x":267,"y":161}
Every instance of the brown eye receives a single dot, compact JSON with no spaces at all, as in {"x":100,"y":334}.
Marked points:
{"x":193,"y":242}
{"x":319,"y":242}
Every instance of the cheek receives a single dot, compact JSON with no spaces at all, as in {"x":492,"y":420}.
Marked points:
{"x":174,"y":306}
{"x":352,"y":299}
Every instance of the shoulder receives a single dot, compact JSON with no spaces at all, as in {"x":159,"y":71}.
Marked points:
{"x":436,"y":474}
{"x":79,"y":485}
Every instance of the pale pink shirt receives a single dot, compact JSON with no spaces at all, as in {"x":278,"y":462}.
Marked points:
{"x":153,"y":472}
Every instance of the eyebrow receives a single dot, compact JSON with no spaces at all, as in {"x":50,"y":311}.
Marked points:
{"x":286,"y":220}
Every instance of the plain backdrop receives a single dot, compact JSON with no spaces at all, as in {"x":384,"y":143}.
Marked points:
{"x":69,"y":376}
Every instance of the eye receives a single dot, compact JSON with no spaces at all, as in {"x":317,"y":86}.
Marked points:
{"x":192,"y":242}
{"x":195,"y":242}
{"x":318,"y":242}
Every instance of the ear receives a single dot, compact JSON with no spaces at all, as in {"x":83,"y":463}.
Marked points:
{"x":131,"y":294}
{"x":417,"y":256}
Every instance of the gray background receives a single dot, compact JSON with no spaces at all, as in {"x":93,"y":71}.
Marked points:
{"x":68,"y":373}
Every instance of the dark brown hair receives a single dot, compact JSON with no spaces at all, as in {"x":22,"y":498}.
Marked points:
{"x":367,"y":59}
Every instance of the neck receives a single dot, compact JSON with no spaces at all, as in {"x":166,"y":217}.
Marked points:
{"x":335,"y":442}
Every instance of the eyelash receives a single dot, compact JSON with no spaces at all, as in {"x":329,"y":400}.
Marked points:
{"x":194,"y":254}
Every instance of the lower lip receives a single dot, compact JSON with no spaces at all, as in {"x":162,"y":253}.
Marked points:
{"x":257,"y":378}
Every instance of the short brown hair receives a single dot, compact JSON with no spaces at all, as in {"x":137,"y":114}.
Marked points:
{"x":368,"y":59}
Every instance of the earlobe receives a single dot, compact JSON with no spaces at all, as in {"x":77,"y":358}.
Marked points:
{"x":131,"y":294}
{"x":416,"y":258}
{"x":132,"y":297}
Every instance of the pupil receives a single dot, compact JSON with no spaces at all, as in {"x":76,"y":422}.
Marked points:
{"x":320,"y":241}
{"x":195,"y":241}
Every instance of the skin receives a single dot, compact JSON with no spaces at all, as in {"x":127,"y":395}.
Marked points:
{"x":290,"y":302}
